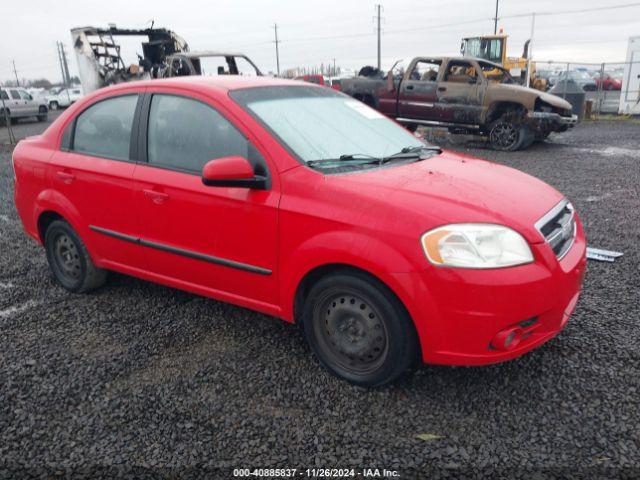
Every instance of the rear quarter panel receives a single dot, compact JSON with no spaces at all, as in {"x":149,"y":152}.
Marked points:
{"x":30,"y":159}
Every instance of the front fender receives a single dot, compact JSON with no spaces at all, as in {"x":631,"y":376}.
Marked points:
{"x":345,"y":248}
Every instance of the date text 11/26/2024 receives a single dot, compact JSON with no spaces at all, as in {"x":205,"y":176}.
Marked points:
{"x":316,"y":472}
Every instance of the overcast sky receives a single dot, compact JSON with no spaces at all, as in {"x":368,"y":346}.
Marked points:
{"x":410,"y":28}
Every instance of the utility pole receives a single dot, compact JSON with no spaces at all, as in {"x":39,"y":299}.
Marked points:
{"x":334,"y":67}
{"x":66,"y":65}
{"x":15,"y":73}
{"x":60,"y":61}
{"x":378,"y":18}
{"x":495,"y":19}
{"x":275,"y":30}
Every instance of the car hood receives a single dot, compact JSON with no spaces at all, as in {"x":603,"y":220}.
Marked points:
{"x":450,"y":188}
{"x":549,"y":98}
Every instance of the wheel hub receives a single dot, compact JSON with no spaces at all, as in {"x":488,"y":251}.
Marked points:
{"x":67,"y":256}
{"x":353,"y":331}
{"x":504,"y":134}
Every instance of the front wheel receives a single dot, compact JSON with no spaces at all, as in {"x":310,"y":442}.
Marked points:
{"x":69,"y":259}
{"x":42,"y":114}
{"x":359,"y":330}
{"x":509,"y":134}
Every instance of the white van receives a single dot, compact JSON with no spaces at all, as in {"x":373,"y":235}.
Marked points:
{"x":20,"y":103}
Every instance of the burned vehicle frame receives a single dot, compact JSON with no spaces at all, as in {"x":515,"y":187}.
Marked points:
{"x":190,"y":63}
{"x":455,"y":92}
{"x":164,"y":54}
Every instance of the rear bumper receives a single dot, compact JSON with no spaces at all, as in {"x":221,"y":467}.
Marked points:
{"x":459,"y":313}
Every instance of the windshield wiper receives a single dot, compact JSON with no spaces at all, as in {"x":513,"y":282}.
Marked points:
{"x":406,"y":153}
{"x":410,"y":152}
{"x":357,"y":158}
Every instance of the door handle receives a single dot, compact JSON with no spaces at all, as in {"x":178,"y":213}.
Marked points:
{"x":155,"y":196}
{"x":442,"y":89}
{"x":66,"y":177}
{"x":409,"y":87}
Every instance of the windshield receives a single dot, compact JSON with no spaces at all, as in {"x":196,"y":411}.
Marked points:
{"x":319,"y":123}
{"x":487,"y":49}
{"x":495,"y":73}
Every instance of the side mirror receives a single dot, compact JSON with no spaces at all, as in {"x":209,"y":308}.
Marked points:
{"x":233,"y":171}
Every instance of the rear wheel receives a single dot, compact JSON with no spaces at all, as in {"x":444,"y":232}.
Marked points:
{"x":412,"y":127}
{"x":358,"y":329}
{"x":69,"y":259}
{"x":42,"y":114}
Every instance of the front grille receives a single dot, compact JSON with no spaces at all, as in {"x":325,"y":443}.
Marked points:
{"x":558,"y":227}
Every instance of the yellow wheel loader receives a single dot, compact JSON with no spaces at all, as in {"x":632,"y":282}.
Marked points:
{"x":494,"y":49}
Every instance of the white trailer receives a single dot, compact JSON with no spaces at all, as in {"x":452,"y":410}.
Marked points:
{"x":630,"y":93}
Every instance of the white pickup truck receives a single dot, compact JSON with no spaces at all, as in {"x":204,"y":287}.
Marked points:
{"x":19,"y":103}
{"x":64,"y":98}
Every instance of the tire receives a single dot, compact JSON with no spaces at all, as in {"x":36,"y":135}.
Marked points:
{"x":3,"y":119}
{"x":358,"y":329}
{"x":43,"y":114}
{"x":541,"y":136}
{"x":412,"y":127}
{"x":508,"y":134}
{"x":53,"y":105}
{"x":69,"y":259}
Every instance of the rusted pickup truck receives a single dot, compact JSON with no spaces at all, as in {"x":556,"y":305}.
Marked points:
{"x":468,"y":96}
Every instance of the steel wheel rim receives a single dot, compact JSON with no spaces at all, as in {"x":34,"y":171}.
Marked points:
{"x":351,"y":332}
{"x":504,"y":134}
{"x":67,"y":257}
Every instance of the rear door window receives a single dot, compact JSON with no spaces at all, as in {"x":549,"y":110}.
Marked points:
{"x":104,"y":129}
{"x":15,"y":94}
{"x":184,"y":134}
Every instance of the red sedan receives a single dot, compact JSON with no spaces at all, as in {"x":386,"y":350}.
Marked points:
{"x":302,"y":203}
{"x":609,"y":82}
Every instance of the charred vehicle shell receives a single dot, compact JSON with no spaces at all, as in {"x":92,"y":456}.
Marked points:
{"x":164,"y":54}
{"x":456,"y":93}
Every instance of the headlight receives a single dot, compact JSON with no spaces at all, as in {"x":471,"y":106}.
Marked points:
{"x":476,"y":245}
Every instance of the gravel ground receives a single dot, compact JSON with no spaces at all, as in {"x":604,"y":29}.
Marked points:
{"x":143,"y":380}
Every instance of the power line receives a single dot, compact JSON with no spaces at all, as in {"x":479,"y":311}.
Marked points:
{"x":583,"y":10}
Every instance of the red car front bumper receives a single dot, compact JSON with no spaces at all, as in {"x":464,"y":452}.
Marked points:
{"x":459,"y":313}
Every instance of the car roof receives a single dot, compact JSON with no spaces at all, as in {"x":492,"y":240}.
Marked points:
{"x":219,"y":83}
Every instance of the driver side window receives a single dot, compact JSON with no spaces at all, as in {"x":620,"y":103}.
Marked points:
{"x":460,"y":72}
{"x":184,"y":134}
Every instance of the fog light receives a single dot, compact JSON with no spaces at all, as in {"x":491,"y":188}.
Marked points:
{"x":507,"y":339}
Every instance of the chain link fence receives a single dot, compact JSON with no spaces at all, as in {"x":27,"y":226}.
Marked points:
{"x":605,"y":84}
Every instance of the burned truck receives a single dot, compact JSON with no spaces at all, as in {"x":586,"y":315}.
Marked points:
{"x":164,"y":54}
{"x":465,"y":95}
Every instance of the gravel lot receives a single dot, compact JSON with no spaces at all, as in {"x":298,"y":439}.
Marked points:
{"x":143,"y":380}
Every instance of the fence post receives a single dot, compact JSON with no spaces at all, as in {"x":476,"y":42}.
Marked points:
{"x":601,"y":99}
{"x":7,"y":120}
{"x":566,"y":79}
